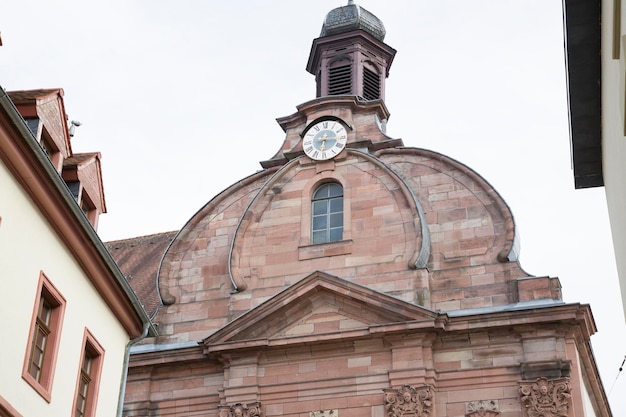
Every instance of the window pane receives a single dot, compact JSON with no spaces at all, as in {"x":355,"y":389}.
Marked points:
{"x":37,"y":359}
{"x":336,"y":234}
{"x":40,"y":338}
{"x":35,"y":365}
{"x":335,"y":190}
{"x":321,"y":193}
{"x":319,"y":222}
{"x":320,"y":207}
{"x":45,"y":311}
{"x":319,"y":237}
{"x":336,"y":220}
{"x":81,"y":399}
{"x":37,"y":351}
{"x":336,"y":205}
{"x":87,"y":363}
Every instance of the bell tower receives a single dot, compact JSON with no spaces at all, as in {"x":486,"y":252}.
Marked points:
{"x":350,"y":57}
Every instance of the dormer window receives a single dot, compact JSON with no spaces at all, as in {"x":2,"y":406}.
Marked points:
{"x":74,"y":187}
{"x":33,"y":125}
{"x":89,"y":208}
{"x":49,"y":147}
{"x":85,"y":203}
{"x":83,"y":177}
{"x":45,"y":144}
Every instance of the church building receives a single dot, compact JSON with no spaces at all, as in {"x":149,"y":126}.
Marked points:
{"x":353,"y":276}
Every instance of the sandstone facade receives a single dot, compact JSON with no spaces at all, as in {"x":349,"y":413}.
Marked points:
{"x":420,"y":309}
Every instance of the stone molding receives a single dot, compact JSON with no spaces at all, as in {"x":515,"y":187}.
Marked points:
{"x":482,"y":408}
{"x":409,"y":401}
{"x":546,"y":397}
{"x":545,"y":369}
{"x":240,"y":410}
{"x":324,"y":413}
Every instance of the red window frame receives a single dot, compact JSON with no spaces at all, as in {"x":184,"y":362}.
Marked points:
{"x":88,"y":380}
{"x":43,"y":338}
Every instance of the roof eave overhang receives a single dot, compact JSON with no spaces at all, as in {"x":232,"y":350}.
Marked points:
{"x":357,"y":35}
{"x":582,"y":34}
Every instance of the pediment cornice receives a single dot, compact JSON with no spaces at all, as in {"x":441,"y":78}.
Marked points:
{"x":346,"y":309}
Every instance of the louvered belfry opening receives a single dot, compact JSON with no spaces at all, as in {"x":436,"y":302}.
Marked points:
{"x":350,"y":56}
{"x":340,"y":80}
{"x":371,"y":84}
{"x":351,"y":64}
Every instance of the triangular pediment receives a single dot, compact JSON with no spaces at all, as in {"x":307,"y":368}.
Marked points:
{"x":320,"y":307}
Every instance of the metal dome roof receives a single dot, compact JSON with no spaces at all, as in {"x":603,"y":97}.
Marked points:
{"x":352,"y":17}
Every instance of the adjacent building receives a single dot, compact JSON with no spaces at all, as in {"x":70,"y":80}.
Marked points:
{"x":596,"y":68}
{"x":353,"y":276}
{"x":70,"y":315}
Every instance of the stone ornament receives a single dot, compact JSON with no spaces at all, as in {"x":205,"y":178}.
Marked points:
{"x":240,"y":410}
{"x":409,"y":401}
{"x":546,"y":397}
{"x":324,"y":413}
{"x":482,"y":409}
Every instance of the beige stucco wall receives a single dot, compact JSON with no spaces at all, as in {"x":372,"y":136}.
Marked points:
{"x":28,"y":245}
{"x":613,"y":139}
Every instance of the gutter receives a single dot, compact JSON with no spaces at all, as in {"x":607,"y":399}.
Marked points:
{"x":129,"y":345}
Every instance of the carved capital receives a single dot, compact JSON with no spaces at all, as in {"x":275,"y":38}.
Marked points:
{"x":482,"y":409}
{"x":408,"y":401}
{"x":240,"y":410}
{"x":546,"y":397}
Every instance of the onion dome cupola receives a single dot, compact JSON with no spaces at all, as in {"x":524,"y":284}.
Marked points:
{"x":350,"y":57}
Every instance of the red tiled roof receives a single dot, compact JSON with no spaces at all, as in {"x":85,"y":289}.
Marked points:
{"x":78,"y":158}
{"x":139,"y":259}
{"x":28,"y":95}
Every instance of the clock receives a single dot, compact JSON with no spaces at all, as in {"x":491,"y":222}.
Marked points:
{"x":324,"y":140}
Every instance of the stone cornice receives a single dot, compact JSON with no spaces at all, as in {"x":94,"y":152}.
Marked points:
{"x":159,"y":357}
{"x":567,"y":316}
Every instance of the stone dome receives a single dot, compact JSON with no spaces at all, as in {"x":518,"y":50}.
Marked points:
{"x":352,"y":17}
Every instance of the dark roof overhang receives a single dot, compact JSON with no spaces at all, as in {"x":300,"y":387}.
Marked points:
{"x":583,"y":70}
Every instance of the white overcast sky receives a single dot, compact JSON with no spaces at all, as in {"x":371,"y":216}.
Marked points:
{"x":181,"y":99}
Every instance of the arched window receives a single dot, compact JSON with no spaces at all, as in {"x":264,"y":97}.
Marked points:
{"x":327,"y":213}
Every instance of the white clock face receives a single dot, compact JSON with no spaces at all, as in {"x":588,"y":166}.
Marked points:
{"x":325,"y":140}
